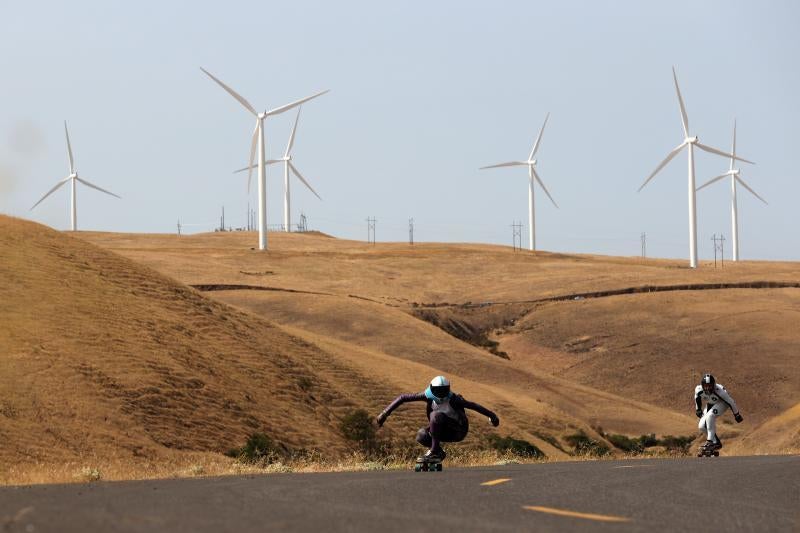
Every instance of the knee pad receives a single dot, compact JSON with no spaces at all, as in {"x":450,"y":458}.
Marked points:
{"x":423,"y":437}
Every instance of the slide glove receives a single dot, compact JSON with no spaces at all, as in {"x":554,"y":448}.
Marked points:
{"x":699,"y":413}
{"x":738,"y":418}
{"x":495,"y":421}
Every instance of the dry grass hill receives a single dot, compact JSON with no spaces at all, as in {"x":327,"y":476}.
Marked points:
{"x":641,"y":330}
{"x":109,"y":357}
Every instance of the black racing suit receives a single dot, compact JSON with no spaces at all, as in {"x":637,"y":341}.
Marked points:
{"x":447,"y":418}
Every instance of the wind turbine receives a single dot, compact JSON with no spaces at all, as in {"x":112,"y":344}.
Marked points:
{"x":735,"y":175}
{"x":287,"y":166}
{"x":532,"y":175}
{"x":258,"y":137}
{"x":73,"y":178}
{"x":691,"y":142}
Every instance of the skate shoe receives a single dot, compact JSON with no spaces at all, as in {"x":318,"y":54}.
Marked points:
{"x":433,"y":456}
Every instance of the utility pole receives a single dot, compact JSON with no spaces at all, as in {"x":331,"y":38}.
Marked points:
{"x":411,"y":231}
{"x":516,"y":234}
{"x":179,"y":227}
{"x":644,"y":245}
{"x":714,"y":240}
{"x":303,"y":225}
{"x":719,"y":244}
{"x":371,"y":229}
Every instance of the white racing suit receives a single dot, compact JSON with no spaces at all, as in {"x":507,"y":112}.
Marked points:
{"x":717,"y":403}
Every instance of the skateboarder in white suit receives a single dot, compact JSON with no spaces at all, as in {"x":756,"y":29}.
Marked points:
{"x":717,"y":402}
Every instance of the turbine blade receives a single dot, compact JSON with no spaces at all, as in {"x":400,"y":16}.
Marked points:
{"x":713,"y":180}
{"x":233,"y":93}
{"x":296,"y":103}
{"x":539,"y":138}
{"x":296,"y":173}
{"x":733,"y":149}
{"x":509,"y":164}
{"x":268,"y":162}
{"x":538,"y":179}
{"x":661,"y":165}
{"x":746,"y":186}
{"x":291,"y":137}
{"x":51,"y":191}
{"x":711,"y":150}
{"x":253,"y":142}
{"x":93,"y":186}
{"x":69,"y":151}
{"x":684,"y":118}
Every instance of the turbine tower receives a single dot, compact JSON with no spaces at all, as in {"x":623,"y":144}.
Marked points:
{"x":73,"y":179}
{"x":258,"y":137}
{"x":287,"y":166}
{"x":735,"y":175}
{"x":532,"y":175}
{"x":691,"y":143}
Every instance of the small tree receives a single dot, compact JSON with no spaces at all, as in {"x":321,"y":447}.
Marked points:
{"x":259,"y":448}
{"x":357,"y":426}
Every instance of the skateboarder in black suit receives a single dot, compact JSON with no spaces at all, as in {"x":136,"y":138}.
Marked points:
{"x":446,"y":415}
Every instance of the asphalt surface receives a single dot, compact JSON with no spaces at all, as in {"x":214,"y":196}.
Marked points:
{"x":710,"y":494}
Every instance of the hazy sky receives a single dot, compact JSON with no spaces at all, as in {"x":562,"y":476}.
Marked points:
{"x":422,"y":94}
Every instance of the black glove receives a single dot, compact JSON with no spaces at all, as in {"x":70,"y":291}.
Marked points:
{"x":380,"y":419}
{"x":699,"y":413}
{"x":494,"y":420}
{"x":738,"y":418}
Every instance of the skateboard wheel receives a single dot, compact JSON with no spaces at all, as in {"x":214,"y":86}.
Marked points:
{"x":417,"y":468}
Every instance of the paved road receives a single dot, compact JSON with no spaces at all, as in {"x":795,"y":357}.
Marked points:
{"x":715,"y":494}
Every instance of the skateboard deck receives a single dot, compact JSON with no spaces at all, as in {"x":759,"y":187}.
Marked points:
{"x":706,"y":452}
{"x":428,"y":466}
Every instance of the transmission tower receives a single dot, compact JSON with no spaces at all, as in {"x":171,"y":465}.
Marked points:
{"x":719,"y":244}
{"x":516,"y":235}
{"x":371,"y":229}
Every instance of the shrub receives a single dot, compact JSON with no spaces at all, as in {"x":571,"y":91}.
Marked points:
{"x":640,"y":444}
{"x":677,"y":444}
{"x":259,"y":448}
{"x":356,"y":426}
{"x":305,"y":383}
{"x":625,"y":443}
{"x":584,"y":445}
{"x":518,"y":447}
{"x":89,"y":474}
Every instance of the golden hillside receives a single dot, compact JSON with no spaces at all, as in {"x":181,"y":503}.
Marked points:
{"x":573,"y":326}
{"x":104,"y":359}
{"x":107,"y":361}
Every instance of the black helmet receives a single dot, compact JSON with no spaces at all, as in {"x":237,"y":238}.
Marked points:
{"x":708,"y":383}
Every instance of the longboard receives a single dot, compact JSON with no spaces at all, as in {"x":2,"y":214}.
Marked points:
{"x":705,"y":452}
{"x":428,"y":466}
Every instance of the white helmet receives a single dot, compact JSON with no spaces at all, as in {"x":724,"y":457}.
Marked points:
{"x":439,"y":388}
